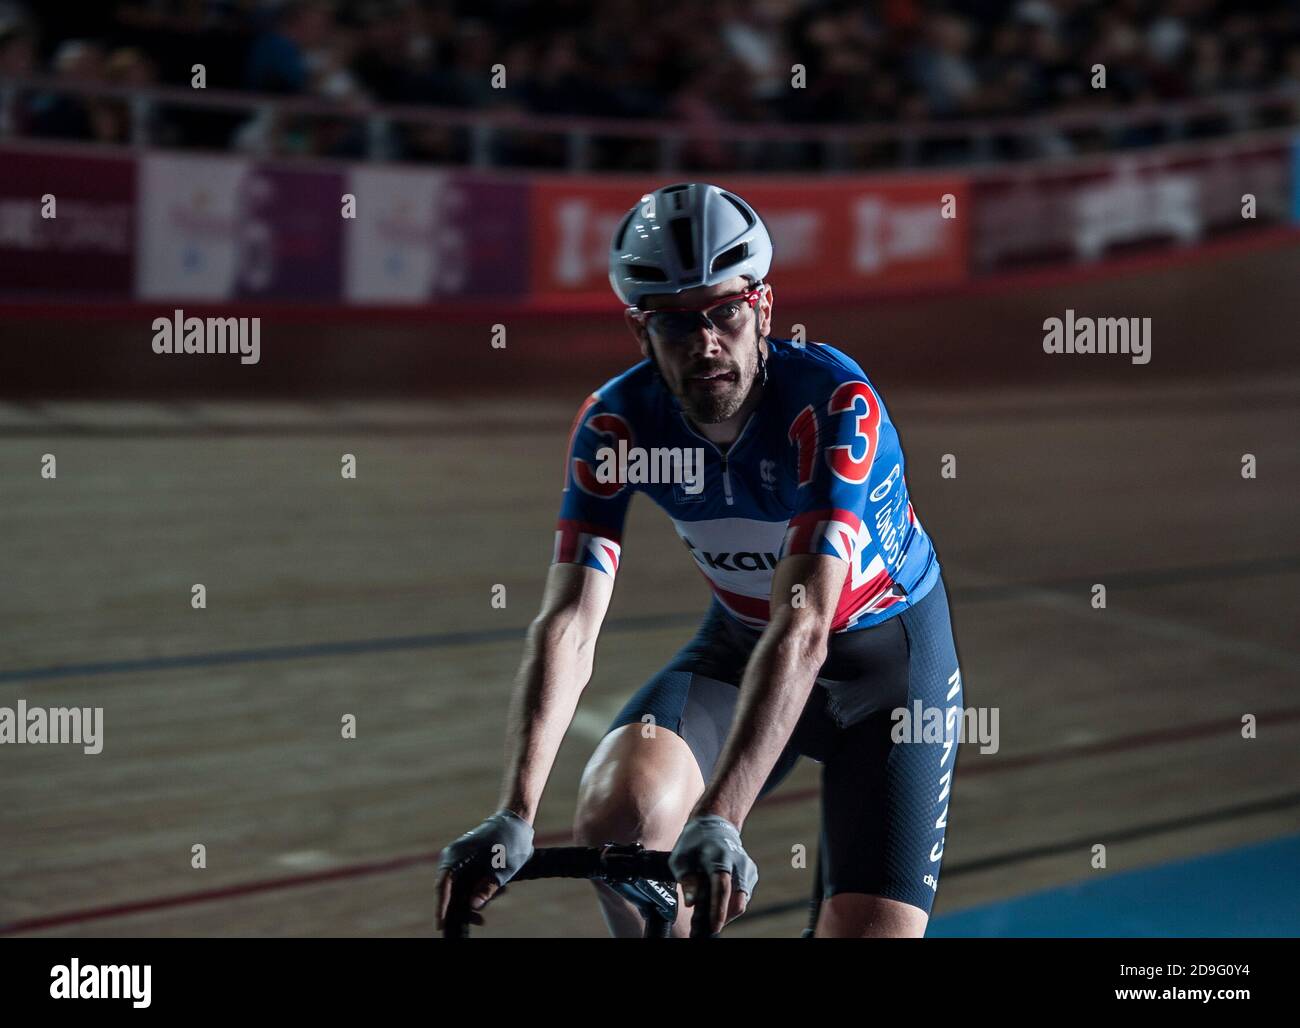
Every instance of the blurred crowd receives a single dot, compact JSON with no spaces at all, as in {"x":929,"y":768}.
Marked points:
{"x":701,"y":62}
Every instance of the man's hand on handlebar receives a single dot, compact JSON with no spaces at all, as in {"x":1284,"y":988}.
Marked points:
{"x":709,"y":860}
{"x":482,"y":861}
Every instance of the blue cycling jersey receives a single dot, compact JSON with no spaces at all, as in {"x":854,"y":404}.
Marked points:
{"x":817,"y":468}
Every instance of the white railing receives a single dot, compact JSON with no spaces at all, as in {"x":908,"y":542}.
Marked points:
{"x":482,"y":137}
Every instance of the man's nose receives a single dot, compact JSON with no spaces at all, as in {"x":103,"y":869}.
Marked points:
{"x":703,"y":341}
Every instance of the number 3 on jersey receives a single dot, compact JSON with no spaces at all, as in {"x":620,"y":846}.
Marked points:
{"x":849,"y":399}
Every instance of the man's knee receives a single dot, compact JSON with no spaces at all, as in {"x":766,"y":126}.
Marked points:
{"x":637,"y":787}
{"x":857,"y":915}
{"x":607,"y":815}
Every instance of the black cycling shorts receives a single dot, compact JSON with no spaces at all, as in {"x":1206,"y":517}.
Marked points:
{"x":884,"y":803}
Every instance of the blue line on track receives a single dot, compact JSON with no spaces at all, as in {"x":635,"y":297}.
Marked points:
{"x":1251,"y":891}
{"x":345,"y":647}
{"x":352,"y":647}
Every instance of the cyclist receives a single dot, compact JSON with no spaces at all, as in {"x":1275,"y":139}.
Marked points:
{"x":828,"y":613}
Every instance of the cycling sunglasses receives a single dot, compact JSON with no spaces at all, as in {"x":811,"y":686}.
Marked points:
{"x":723,"y":314}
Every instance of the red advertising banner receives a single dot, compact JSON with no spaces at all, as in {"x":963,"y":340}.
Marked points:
{"x":67,"y":225}
{"x":1087,"y":211}
{"x":169,"y":226}
{"x":843,"y":236}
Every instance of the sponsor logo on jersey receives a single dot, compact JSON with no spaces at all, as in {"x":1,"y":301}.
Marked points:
{"x":741,"y":560}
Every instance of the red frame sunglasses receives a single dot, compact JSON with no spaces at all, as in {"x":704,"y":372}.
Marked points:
{"x":749,"y":296}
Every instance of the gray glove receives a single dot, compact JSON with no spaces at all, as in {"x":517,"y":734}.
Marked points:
{"x":501,"y":845}
{"x":710,"y":844}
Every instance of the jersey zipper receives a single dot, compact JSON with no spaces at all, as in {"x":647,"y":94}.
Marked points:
{"x":726,"y":475}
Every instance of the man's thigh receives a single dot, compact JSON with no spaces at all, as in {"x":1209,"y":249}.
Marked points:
{"x":693,"y":707}
{"x":695,"y":695}
{"x":885,"y":794}
{"x":878,"y":826}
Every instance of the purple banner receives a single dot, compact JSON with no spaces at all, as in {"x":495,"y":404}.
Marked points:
{"x":67,"y":226}
{"x":421,"y":236}
{"x":497,"y":229}
{"x":291,"y":247}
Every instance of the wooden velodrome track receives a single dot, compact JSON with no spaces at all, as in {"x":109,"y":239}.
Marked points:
{"x":371,"y":597}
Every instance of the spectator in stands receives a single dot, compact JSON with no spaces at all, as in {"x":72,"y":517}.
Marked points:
{"x":58,"y":115}
{"x":561,"y":84}
{"x":17,"y":50}
{"x":125,"y":66}
{"x":1290,"y":80}
{"x":752,"y":35}
{"x":940,"y":67}
{"x":280,"y":59}
{"x":387,"y":53}
{"x":711,"y":64}
{"x":694,"y":106}
{"x":1207,"y":64}
{"x":464,"y":77}
{"x":839,"y":49}
{"x":1252,"y":69}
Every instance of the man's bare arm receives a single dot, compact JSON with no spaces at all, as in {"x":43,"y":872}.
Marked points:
{"x":778,"y":679}
{"x":556,"y":667}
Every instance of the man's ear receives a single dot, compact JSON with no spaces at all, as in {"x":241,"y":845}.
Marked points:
{"x":638,"y":333}
{"x":765,"y":311}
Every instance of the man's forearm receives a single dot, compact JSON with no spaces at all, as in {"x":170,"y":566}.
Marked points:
{"x":776,"y":685}
{"x":552,"y":675}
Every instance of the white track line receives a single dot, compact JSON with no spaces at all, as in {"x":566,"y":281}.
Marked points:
{"x":1164,"y":628}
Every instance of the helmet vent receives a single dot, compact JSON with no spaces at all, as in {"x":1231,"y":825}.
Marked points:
{"x":644,"y":273}
{"x":744,"y":211}
{"x":729,"y":257}
{"x":679,"y":201}
{"x":681,"y":230}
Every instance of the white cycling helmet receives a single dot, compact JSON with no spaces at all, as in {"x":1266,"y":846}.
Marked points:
{"x":683,"y":236}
